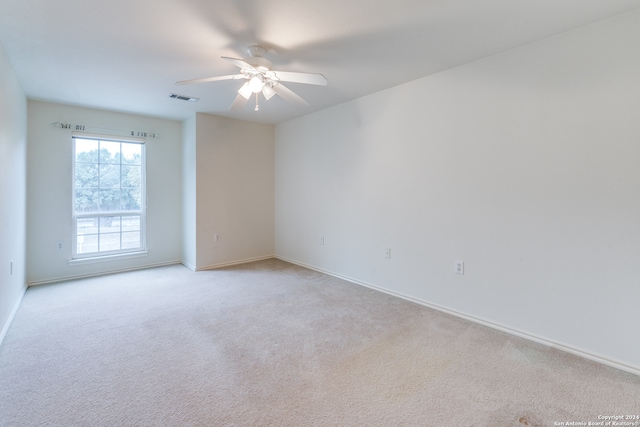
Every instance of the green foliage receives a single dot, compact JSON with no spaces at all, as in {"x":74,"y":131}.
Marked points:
{"x":106,"y":181}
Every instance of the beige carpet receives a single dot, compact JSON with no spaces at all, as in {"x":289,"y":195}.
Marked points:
{"x":272,"y":344}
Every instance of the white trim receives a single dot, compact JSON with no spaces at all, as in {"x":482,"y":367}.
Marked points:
{"x":228,"y":264}
{"x":189,"y":266}
{"x":106,"y":258}
{"x":509,"y":330}
{"x":97,"y":214}
{"x":103,"y":273}
{"x":6,"y":326}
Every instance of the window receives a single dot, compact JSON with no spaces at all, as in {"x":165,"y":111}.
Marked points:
{"x":108,"y":197}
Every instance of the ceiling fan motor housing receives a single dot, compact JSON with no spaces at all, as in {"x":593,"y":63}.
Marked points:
{"x":256,"y":58}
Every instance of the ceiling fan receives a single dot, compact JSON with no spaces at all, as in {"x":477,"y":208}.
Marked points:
{"x":262,"y":79}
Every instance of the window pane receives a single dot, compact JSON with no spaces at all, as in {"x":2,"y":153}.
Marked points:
{"x":86,"y":150}
{"x":87,"y":175}
{"x":109,"y":176}
{"x":131,"y":240}
{"x":132,"y":154}
{"x":109,"y":242}
{"x":87,"y":244}
{"x":131,"y":223}
{"x":87,"y":200}
{"x":109,"y":224}
{"x":130,"y":199}
{"x":109,"y":200}
{"x":109,"y":152}
{"x":131,"y":176}
{"x":87,"y":226}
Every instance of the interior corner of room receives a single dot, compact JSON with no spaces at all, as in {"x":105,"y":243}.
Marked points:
{"x":522,"y":166}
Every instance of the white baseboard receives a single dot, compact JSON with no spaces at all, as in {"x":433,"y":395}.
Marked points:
{"x":143,"y":267}
{"x":103,"y":273}
{"x":189,"y":266}
{"x":228,"y":264}
{"x":503,"y":328}
{"x":5,"y":327}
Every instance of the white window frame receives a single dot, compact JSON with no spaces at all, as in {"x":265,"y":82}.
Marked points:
{"x":121,"y":253}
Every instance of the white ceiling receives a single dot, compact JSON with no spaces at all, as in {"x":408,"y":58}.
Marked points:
{"x":126,"y":55}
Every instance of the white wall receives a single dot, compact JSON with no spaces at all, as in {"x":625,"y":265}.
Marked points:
{"x":234,"y":191}
{"x":13,"y":192}
{"x":189,"y":202}
{"x":49,"y":190}
{"x":524,"y":165}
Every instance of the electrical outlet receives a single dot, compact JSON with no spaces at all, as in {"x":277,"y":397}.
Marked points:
{"x":322,"y":240}
{"x":216,"y":237}
{"x":459,"y":267}
{"x":59,"y":246}
{"x":387,"y":253}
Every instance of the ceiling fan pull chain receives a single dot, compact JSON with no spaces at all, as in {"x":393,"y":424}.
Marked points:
{"x":257,"y":106}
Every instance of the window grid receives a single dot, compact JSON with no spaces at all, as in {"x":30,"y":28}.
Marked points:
{"x":108,"y":194}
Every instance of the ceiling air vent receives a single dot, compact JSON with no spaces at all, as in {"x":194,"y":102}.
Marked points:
{"x":183,"y":97}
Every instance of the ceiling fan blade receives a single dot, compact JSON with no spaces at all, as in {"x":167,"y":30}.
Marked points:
{"x":238,"y":103}
{"x":289,"y":95}
{"x":306,"y":78}
{"x":211,"y":79}
{"x":240,"y":63}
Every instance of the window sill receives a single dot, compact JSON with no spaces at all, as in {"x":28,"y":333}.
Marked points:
{"x":116,"y":257}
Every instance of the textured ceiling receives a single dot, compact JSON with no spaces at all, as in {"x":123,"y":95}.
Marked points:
{"x":126,"y":55}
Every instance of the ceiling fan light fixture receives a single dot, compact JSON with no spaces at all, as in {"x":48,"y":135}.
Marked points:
{"x":256,"y":84}
{"x":245,"y":90}
{"x":268,"y":92}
